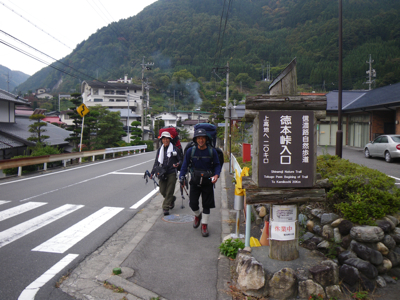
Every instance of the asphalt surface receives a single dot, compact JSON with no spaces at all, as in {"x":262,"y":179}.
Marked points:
{"x":166,"y":258}
{"x":160,"y":257}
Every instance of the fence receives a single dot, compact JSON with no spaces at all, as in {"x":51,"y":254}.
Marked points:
{"x":64,"y":157}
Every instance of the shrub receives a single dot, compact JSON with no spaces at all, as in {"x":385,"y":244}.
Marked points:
{"x":150,"y":146}
{"x":359,"y":194}
{"x":230,"y":247}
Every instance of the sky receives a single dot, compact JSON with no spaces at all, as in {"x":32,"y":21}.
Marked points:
{"x":54,"y":27}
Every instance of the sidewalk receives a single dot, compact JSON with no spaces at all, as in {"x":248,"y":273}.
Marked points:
{"x":162,"y":257}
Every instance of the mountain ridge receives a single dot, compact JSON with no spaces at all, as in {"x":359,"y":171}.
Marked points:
{"x":184,"y":34}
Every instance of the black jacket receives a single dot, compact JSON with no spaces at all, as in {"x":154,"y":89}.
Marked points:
{"x":168,"y":161}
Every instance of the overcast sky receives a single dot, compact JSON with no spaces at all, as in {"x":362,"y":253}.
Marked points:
{"x":55,"y":27}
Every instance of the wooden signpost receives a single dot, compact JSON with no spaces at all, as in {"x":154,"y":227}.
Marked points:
{"x":285,"y":143}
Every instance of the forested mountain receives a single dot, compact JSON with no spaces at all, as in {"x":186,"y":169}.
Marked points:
{"x":10,"y":79}
{"x":200,"y":35}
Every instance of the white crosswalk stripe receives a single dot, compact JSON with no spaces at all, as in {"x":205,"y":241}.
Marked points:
{"x":4,"y":202}
{"x":14,"y":233}
{"x":69,"y":237}
{"x":12,"y":212}
{"x":30,"y":291}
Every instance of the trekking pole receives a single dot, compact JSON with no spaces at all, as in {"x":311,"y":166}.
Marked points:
{"x":180,"y":187}
{"x":183,"y":198}
{"x":148,"y":175}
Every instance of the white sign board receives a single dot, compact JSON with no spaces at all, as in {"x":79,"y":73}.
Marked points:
{"x":282,"y":231}
{"x":284,"y":213}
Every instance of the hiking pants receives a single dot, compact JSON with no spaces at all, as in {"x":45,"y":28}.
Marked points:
{"x":207,"y":197}
{"x":167,"y":188}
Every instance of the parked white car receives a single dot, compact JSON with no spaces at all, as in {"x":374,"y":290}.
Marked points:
{"x":386,"y":146}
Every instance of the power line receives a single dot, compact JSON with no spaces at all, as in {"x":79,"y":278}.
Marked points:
{"x":220,"y":45}
{"x":59,"y":61}
{"x":223,"y":33}
{"x":51,"y":35}
{"x":34,"y":57}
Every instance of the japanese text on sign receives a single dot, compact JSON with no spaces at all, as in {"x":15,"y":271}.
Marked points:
{"x":286,"y":156}
{"x":283,"y":231}
{"x":265,"y":140}
{"x":286,"y":140}
{"x":284,"y":213}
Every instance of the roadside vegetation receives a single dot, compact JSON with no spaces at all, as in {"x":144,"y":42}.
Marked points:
{"x":357,"y":193}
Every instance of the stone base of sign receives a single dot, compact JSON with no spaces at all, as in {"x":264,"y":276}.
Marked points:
{"x":368,"y":257}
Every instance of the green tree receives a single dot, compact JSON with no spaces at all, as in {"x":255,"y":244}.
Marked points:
{"x":158,"y":124}
{"x":37,"y":129}
{"x":109,"y":128}
{"x":245,"y":79}
{"x":184,"y":135}
{"x":77,"y":120}
{"x":136,"y":133}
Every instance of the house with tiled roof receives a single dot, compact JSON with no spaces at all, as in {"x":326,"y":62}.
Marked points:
{"x":365,"y":115}
{"x":14,"y":128}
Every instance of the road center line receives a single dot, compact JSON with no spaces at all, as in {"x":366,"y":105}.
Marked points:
{"x":80,"y":182}
{"x":72,"y":169}
{"x":125,"y":173}
{"x":30,"y":291}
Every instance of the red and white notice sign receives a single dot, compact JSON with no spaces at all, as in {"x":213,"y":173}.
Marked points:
{"x":282,"y":231}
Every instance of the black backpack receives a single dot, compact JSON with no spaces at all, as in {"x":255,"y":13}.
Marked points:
{"x":210,"y":147}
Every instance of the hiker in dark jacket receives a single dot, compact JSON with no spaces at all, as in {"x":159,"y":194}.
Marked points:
{"x":167,"y":160}
{"x":203,"y":164}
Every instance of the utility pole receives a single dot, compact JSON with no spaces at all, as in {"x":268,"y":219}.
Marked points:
{"x":226,"y":106}
{"x":371,"y":72}
{"x":339,"y":132}
{"x":268,"y":72}
{"x":146,"y":66}
{"x":226,"y":69}
{"x":8,"y":81}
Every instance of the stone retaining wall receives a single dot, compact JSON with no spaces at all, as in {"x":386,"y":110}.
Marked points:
{"x":367,"y":257}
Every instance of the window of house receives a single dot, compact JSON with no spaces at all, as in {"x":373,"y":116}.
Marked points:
{"x":120,"y":92}
{"x":120,"y":100}
{"x":98,"y":100}
{"x":109,"y":92}
{"x":95,"y":91}
{"x":111,"y":100}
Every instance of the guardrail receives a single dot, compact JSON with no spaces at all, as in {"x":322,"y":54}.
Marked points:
{"x":64,"y":157}
{"x":235,"y":165}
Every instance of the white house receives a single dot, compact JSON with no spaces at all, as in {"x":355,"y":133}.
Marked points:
{"x":169,"y":119}
{"x":117,"y":95}
{"x":112,"y":95}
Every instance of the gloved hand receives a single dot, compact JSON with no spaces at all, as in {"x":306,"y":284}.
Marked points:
{"x":182,"y":181}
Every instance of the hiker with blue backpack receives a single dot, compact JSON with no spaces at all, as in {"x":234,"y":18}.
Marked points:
{"x":202,"y":161}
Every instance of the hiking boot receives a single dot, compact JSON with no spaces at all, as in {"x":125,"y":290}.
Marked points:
{"x":173,"y":203}
{"x":166,"y":212}
{"x":196,"y":222}
{"x":204,"y":230}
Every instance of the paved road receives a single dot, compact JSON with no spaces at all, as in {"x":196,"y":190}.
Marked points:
{"x":50,"y":222}
{"x":356,"y":155}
